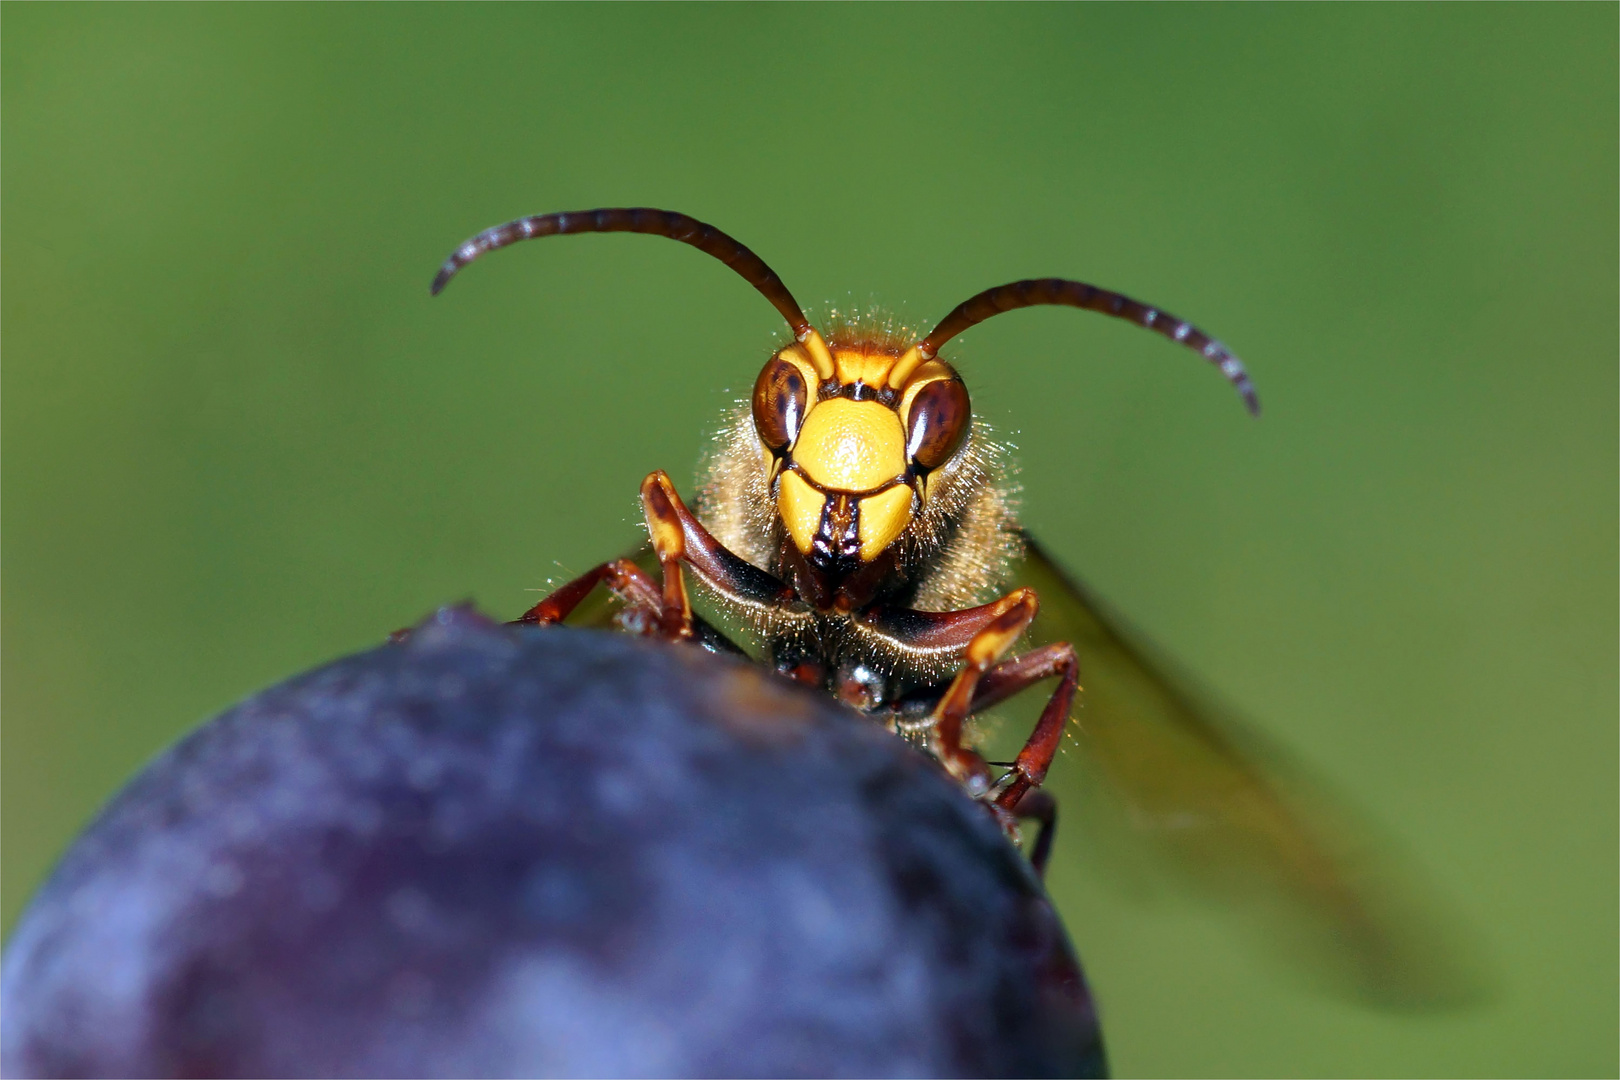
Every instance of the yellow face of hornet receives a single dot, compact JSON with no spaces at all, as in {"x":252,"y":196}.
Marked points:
{"x":855,"y":433}
{"x":854,"y":430}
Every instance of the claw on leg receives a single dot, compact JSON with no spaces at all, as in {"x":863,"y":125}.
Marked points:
{"x":627,"y":580}
{"x":1029,"y":768}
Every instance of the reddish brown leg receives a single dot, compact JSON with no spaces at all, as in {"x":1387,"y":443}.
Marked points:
{"x":627,"y":581}
{"x":700,"y":551}
{"x":1038,"y":806}
{"x":1007,"y":679}
{"x":1012,"y":614}
{"x":624,"y":577}
{"x":659,"y":504}
{"x":1020,"y":793}
{"x":677,"y":538}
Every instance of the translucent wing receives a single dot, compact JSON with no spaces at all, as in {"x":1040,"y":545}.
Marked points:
{"x":1234,"y":818}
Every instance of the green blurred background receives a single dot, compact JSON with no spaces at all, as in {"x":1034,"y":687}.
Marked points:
{"x":239,"y":440}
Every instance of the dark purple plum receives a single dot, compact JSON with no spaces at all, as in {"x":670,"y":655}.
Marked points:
{"x":500,"y":852}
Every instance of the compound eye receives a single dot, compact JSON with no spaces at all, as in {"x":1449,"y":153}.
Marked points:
{"x":937,"y":422}
{"x":781,"y":394}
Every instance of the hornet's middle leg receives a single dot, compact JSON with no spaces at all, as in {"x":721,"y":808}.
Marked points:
{"x":985,"y":680}
{"x":1014,"y":676}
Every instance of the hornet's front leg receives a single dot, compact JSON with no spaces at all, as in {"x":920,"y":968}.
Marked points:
{"x":677,"y":537}
{"x":663,"y":510}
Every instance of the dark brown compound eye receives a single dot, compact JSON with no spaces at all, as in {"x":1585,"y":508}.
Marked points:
{"x":937,"y":421}
{"x":781,"y":394}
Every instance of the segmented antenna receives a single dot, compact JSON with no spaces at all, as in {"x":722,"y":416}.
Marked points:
{"x":637,"y":219}
{"x":1064,"y":293}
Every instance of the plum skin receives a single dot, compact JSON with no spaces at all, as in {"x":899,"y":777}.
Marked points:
{"x":497,"y":851}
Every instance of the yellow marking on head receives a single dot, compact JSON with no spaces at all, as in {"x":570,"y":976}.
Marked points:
{"x":799,"y":355}
{"x":851,"y":445}
{"x":859,"y":365}
{"x":908,"y":362}
{"x":884,"y":517}
{"x":800,"y":507}
{"x":932,"y":371}
{"x":815,"y":348}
